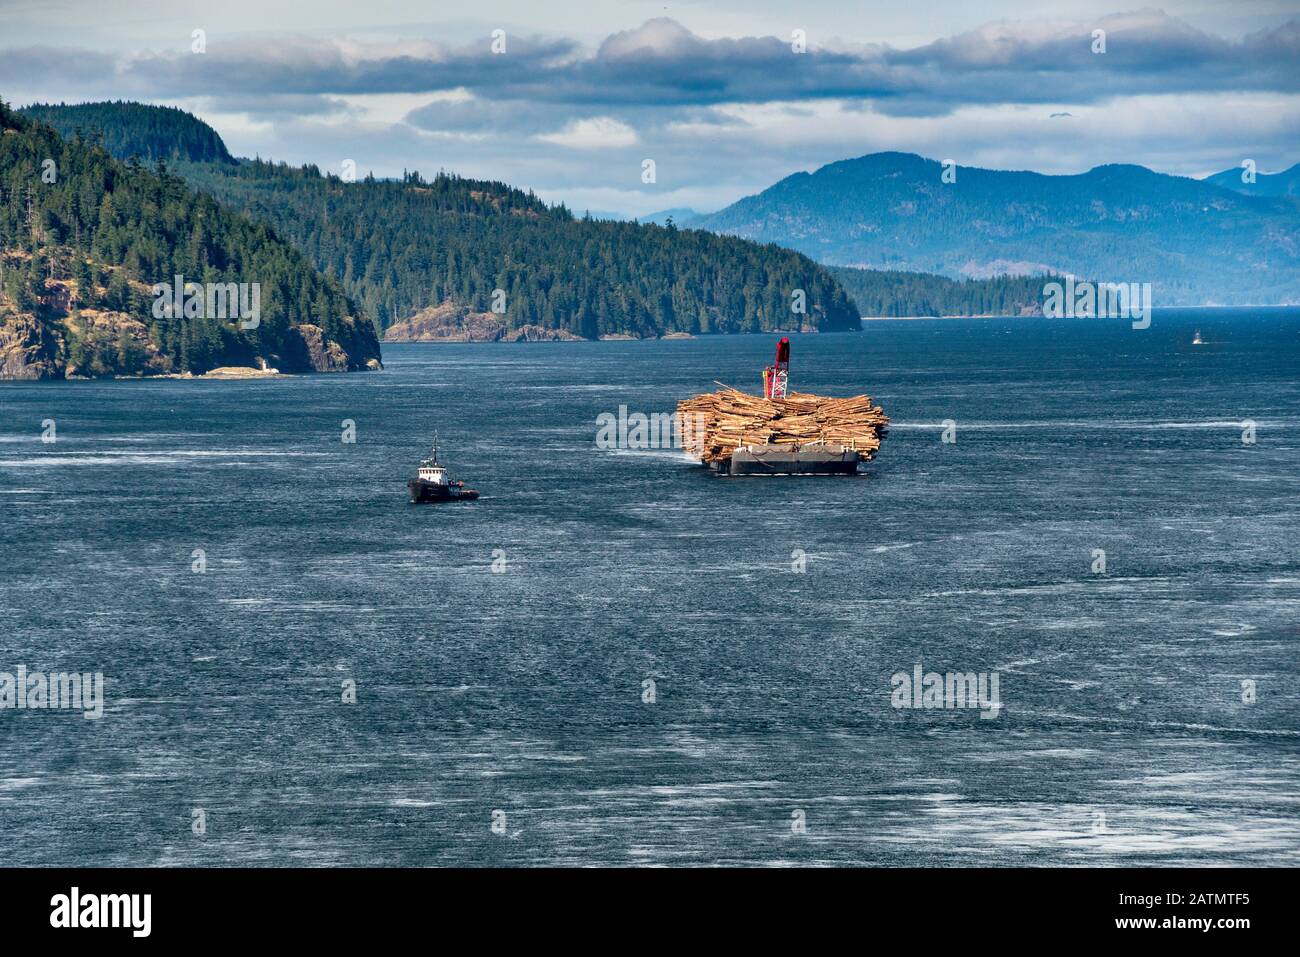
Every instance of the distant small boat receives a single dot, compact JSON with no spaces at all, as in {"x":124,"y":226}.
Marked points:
{"x":1197,"y":340}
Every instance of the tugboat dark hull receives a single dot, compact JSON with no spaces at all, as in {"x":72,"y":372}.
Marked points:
{"x":422,"y":491}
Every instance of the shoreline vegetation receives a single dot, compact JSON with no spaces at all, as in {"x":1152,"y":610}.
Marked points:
{"x":243,"y":373}
{"x":343,"y":264}
{"x":89,"y":243}
{"x":898,"y":294}
{"x":505,"y":266}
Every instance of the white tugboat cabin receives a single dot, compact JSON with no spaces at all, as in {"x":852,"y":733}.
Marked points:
{"x":431,"y":471}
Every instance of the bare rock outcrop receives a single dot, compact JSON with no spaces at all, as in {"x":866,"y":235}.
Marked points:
{"x":451,"y":322}
{"x":307,"y":350}
{"x":27,"y":349}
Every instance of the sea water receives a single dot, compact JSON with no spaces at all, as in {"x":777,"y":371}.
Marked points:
{"x":615,"y":657}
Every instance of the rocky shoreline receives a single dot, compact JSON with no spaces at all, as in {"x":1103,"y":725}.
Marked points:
{"x":449,"y":322}
{"x":32,"y":348}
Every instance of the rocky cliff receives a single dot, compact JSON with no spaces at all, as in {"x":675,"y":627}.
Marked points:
{"x":112,"y":269}
{"x":450,"y":322}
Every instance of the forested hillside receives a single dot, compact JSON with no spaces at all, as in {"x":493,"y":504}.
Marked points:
{"x":399,"y":246}
{"x":895,"y":293}
{"x":84,"y":238}
{"x":129,"y":130}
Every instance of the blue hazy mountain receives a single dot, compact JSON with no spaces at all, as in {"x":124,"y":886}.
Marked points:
{"x":1285,"y":183}
{"x":678,"y":214}
{"x":1196,"y":241}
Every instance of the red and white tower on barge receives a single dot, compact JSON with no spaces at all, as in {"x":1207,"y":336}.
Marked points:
{"x":776,"y":377}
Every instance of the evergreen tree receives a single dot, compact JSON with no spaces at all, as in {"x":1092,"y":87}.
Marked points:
{"x":139,"y":226}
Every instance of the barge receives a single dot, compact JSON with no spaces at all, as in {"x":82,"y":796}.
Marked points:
{"x":780,"y":432}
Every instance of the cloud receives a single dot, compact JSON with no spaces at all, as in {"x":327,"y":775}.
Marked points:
{"x":599,"y":132}
{"x":721,"y":116}
{"x":471,"y":115}
{"x":1146,"y":52}
{"x":273,"y":106}
{"x":287,"y":66}
{"x":662,"y":63}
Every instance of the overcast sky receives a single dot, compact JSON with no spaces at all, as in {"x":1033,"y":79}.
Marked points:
{"x":716,"y":92}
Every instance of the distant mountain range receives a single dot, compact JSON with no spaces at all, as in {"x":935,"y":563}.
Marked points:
{"x":1285,"y":183}
{"x":1197,"y":241}
{"x":678,"y":214}
{"x":428,"y":259}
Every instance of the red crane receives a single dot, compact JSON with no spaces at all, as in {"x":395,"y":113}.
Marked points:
{"x":776,"y":377}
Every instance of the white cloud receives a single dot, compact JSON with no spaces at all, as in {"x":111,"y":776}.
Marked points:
{"x":598,"y":132}
{"x":725,"y":108}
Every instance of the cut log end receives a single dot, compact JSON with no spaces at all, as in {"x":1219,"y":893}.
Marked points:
{"x":713,"y":425}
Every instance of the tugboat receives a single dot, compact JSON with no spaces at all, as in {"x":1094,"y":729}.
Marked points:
{"x":432,"y":485}
{"x":1197,"y":340}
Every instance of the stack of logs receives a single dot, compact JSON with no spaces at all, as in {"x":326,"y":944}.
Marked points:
{"x":715,"y":424}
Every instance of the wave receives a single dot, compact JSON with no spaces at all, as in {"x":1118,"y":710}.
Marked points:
{"x":1102,"y":424}
{"x":1155,"y":724}
{"x":675,"y":455}
{"x":157,"y":457}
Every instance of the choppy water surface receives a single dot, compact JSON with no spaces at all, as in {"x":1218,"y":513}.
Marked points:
{"x":1123,"y":736}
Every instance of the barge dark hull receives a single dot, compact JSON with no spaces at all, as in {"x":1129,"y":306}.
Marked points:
{"x":422,"y":492}
{"x":804,"y":461}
